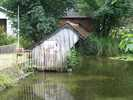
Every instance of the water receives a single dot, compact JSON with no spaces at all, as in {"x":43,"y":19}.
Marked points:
{"x":93,"y":79}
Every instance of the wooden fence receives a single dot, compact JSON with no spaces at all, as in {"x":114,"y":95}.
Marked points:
{"x":25,"y":59}
{"x":8,"y":48}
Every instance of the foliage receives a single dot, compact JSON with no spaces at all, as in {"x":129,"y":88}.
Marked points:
{"x":38,"y":17}
{"x":1,"y":2}
{"x":73,"y":58}
{"x":5,"y":39}
{"x":126,"y":43}
{"x":107,"y":14}
{"x":99,"y":46}
{"x":25,"y":42}
{"x":123,"y":57}
{"x":5,"y":80}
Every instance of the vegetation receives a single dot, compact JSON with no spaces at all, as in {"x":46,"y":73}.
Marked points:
{"x":107,"y":14}
{"x":38,"y":17}
{"x":6,"y":39}
{"x":73,"y":58}
{"x":123,"y":57}
{"x":126,"y":43}
{"x":25,"y":42}
{"x":99,"y":46}
{"x":5,"y":80}
{"x":1,"y":2}
{"x":108,"y":17}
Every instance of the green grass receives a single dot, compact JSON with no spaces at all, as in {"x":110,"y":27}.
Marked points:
{"x":5,"y":80}
{"x":128,"y":57}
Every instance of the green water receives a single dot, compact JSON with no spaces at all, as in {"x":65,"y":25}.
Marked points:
{"x":93,"y":79}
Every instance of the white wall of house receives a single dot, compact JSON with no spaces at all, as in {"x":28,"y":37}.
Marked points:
{"x":10,"y":29}
{"x":52,"y":52}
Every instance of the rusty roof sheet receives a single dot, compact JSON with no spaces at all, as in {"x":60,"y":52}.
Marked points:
{"x":82,"y":32}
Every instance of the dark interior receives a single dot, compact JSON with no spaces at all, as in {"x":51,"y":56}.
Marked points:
{"x":3,"y":24}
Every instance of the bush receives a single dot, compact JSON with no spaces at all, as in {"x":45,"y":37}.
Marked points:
{"x":73,"y":58}
{"x":5,"y":80}
{"x":126,"y":40}
{"x":99,"y":46}
{"x":25,"y":42}
{"x":6,"y":40}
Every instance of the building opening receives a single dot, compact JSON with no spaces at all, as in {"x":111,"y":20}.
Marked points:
{"x":3,"y":25}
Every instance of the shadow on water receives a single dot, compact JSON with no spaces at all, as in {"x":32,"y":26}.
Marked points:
{"x":93,"y":79}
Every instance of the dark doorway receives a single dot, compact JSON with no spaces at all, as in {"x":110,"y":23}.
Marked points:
{"x":3,"y":24}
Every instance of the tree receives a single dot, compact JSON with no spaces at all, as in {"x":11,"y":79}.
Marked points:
{"x":38,"y":17}
{"x":107,"y":14}
{"x":1,"y":2}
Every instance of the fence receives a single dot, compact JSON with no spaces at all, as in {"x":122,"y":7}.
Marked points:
{"x":28,"y":59}
{"x":10,"y":57}
{"x":43,"y":60}
{"x":8,"y":48}
{"x":7,"y":56}
{"x":51,"y":58}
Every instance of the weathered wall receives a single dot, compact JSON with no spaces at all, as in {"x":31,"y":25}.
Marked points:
{"x":9,"y":28}
{"x":52,"y":53}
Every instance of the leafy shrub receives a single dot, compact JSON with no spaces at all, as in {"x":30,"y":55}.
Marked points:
{"x":5,"y":80}
{"x":5,"y":39}
{"x":126,"y":37}
{"x":73,"y":58}
{"x":99,"y":46}
{"x":25,"y":42}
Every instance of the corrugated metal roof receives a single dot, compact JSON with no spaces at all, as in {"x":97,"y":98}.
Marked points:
{"x":82,"y":32}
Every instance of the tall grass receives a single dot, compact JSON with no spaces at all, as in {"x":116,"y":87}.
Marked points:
{"x":100,"y":46}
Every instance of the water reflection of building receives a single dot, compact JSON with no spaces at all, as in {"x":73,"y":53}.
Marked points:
{"x":51,"y":91}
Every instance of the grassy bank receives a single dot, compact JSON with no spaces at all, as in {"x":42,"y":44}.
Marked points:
{"x":13,"y":76}
{"x":124,"y":57}
{"x":5,"y":81}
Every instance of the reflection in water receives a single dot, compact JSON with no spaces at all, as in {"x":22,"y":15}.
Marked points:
{"x":51,"y":91}
{"x":94,"y":79}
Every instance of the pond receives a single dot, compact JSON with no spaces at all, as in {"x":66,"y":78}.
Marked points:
{"x":94,"y":79}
